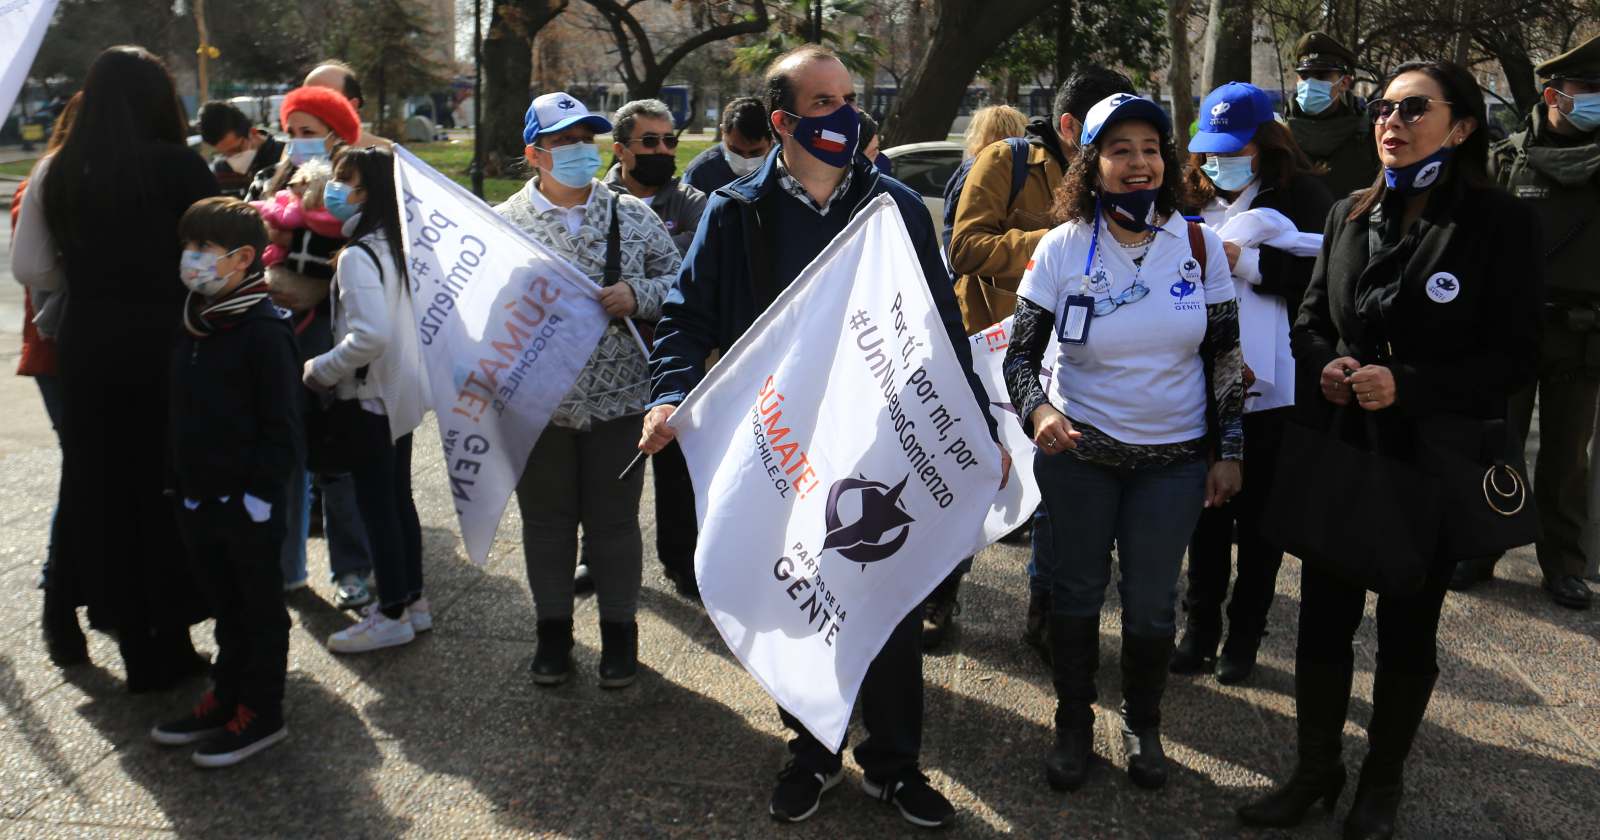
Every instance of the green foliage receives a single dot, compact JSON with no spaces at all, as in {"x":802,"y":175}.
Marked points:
{"x":1129,"y":34}
{"x":791,"y":27}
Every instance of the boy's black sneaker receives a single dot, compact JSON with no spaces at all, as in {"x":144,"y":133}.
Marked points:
{"x":799,"y":792}
{"x":205,"y":720}
{"x":920,"y":804}
{"x":245,"y":735}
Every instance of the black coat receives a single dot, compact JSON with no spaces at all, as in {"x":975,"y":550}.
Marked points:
{"x":1305,"y":201}
{"x":236,"y":410}
{"x":1464,"y":348}
{"x":117,"y":548}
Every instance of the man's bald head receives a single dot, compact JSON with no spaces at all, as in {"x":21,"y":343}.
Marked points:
{"x":336,"y":75}
{"x":792,"y":75}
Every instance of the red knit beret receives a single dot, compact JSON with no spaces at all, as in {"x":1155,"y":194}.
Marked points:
{"x":327,"y":105}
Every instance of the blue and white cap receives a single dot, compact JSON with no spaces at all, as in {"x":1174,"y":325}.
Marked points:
{"x":1229,"y":117}
{"x":557,"y":111}
{"x":1123,"y":106}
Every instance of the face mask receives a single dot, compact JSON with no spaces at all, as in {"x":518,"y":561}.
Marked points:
{"x":1585,"y":115}
{"x":653,"y":170}
{"x":1313,"y":96}
{"x":302,"y":149}
{"x":1418,"y":177}
{"x":1230,"y":174}
{"x":1131,"y":210}
{"x":573,"y":165}
{"x":336,"y":199}
{"x":832,"y":138}
{"x":198,"y":269}
{"x":741,"y":166}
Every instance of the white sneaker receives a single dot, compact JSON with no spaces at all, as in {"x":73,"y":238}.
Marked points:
{"x":421,"y":615}
{"x":373,"y":632}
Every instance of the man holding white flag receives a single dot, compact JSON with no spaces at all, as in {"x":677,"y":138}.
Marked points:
{"x":841,"y":460}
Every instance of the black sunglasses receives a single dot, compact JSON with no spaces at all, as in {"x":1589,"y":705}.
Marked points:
{"x":649,"y":141}
{"x":1411,"y":108}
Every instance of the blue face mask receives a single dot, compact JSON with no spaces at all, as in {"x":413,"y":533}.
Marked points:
{"x":1585,"y":114}
{"x":1418,"y":177}
{"x":302,"y":149}
{"x":1131,"y":210}
{"x":1313,"y":96}
{"x":336,"y":198}
{"x":573,"y":165}
{"x":831,"y":138}
{"x":1230,"y":174}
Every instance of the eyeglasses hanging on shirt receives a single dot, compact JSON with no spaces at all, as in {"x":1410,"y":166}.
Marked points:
{"x":1079,"y":310}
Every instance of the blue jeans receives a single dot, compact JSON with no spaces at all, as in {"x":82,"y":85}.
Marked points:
{"x":348,"y":547}
{"x":297,"y":527}
{"x":50,"y":392}
{"x":1148,"y":513}
{"x":1042,"y":560}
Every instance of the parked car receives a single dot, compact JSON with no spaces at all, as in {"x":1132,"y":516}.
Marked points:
{"x":926,"y":168}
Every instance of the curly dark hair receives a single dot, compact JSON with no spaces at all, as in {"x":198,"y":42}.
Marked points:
{"x":1075,"y":196}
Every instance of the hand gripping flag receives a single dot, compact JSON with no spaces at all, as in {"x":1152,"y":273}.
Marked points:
{"x":841,"y":468}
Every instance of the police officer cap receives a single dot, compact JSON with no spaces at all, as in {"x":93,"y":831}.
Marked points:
{"x":1581,"y":63}
{"x":1319,"y":51}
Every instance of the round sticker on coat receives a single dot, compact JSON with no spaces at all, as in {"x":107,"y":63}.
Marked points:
{"x":1428,"y":175}
{"x":1443,"y":287}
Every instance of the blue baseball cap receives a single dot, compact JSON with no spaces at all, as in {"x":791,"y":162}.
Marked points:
{"x":1123,"y":106}
{"x":556,"y":112}
{"x":1229,"y":117}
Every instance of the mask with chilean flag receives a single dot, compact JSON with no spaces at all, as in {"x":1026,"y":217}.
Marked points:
{"x":831,"y":138}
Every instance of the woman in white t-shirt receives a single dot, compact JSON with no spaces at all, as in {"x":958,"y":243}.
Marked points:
{"x":1146,"y":388}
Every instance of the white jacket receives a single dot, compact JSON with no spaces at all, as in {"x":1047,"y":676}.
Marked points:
{"x":374,"y":326}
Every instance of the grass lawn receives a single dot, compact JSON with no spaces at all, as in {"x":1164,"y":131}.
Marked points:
{"x":17,"y":169}
{"x":454,"y":158}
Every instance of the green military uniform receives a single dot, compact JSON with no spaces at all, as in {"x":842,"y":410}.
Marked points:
{"x":1340,"y":138}
{"x":1559,"y":174}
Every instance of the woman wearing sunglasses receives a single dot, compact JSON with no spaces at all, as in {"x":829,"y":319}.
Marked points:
{"x":1251,"y":182}
{"x":1142,"y":304}
{"x":1424,"y":303}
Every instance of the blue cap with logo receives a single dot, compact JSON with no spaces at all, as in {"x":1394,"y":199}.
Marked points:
{"x":1119,"y":107}
{"x":557,"y":111}
{"x":1229,"y":117}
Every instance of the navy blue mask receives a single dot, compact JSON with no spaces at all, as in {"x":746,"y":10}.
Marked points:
{"x":831,"y":138}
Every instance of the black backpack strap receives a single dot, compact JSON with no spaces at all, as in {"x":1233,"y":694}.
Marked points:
{"x":613,"y":269}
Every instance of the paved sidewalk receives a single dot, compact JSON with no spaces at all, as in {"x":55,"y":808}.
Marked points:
{"x":449,"y":738}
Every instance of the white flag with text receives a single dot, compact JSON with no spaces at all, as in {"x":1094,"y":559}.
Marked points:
{"x":842,"y":468}
{"x":22,"y":27}
{"x":506,"y":327}
{"x":1015,"y":504}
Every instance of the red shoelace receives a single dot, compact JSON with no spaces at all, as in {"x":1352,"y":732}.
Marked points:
{"x":241,"y":719}
{"x":207,"y":705}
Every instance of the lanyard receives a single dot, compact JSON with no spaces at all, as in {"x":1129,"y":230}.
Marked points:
{"x":1094,"y":244}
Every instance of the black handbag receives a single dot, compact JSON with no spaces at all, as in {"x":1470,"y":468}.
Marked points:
{"x":1484,"y":490}
{"x":1353,"y":512}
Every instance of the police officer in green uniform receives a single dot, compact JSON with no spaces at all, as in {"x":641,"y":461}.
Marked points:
{"x":1554,"y":164}
{"x":1327,"y":120}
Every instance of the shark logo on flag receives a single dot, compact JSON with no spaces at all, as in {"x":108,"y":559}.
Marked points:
{"x":881,"y":512}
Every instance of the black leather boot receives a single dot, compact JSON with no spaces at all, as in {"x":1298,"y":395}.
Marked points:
{"x":1036,"y":633}
{"x":1321,"y":699}
{"x":940,"y":611}
{"x":1399,"y":702}
{"x":63,"y":638}
{"x":552,"y":659}
{"x":619,"y":653}
{"x":1238,"y":659}
{"x":1202,"y":629}
{"x":1076,"y":644}
{"x":1145,"y":660}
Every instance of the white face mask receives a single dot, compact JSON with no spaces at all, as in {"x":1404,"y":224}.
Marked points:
{"x":741,"y":166}
{"x":198,"y":269}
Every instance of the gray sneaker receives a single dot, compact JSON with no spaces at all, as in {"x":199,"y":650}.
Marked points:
{"x":351,"y":592}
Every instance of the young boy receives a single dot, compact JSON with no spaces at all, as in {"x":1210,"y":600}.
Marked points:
{"x":236,"y":436}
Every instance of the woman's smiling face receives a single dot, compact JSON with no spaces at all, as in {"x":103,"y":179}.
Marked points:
{"x":1130,"y":157}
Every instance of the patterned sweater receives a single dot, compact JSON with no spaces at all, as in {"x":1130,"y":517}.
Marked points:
{"x":616,"y":380}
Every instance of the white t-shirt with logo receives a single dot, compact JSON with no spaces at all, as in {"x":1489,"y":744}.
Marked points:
{"x":1139,"y":377}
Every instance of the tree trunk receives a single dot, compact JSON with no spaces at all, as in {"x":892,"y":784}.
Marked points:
{"x":1066,"y":61}
{"x":1518,"y":69}
{"x":1179,"y":74}
{"x":507,"y":72}
{"x":1228,"y":43}
{"x":966,"y":33}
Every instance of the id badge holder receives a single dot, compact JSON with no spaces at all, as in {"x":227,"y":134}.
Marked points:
{"x":1073,"y":326}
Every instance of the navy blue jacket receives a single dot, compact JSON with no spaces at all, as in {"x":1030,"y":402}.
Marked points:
{"x":709,"y":171}
{"x":725,"y":283}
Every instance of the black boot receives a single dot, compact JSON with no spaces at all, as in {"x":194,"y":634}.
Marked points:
{"x":1145,"y":660}
{"x":1197,"y":653}
{"x":63,"y":638}
{"x":1076,"y":646}
{"x":1321,"y":699}
{"x":940,"y":611}
{"x":1238,"y":660}
{"x":1036,"y":633}
{"x":552,"y":659}
{"x":619,"y":653}
{"x":1398,"y":703}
